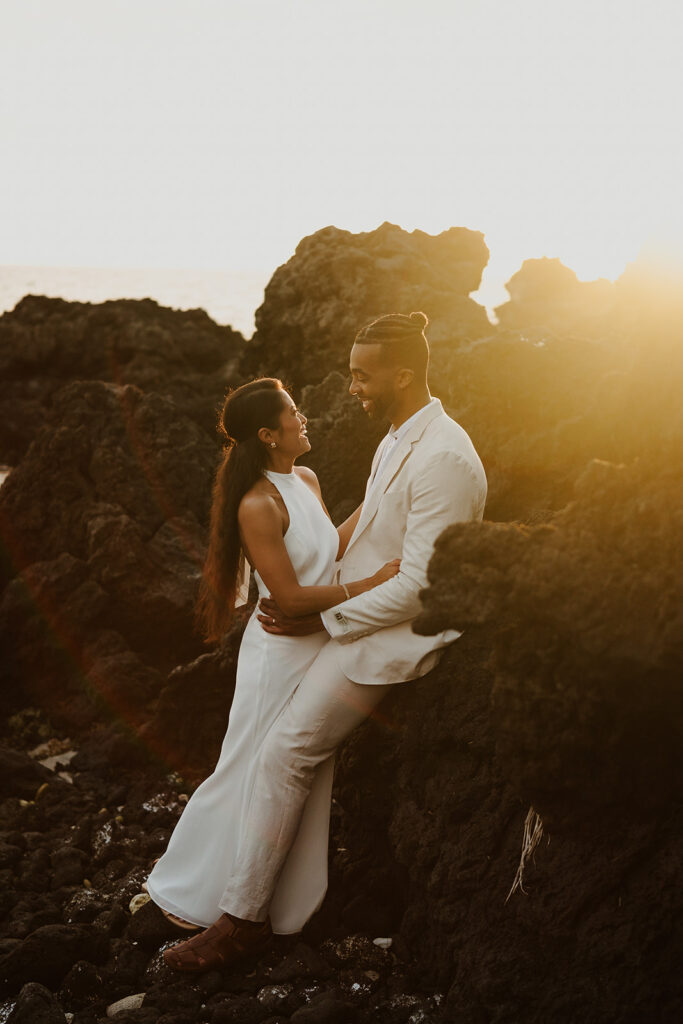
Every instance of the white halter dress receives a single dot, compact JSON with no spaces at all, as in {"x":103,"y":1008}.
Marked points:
{"x":190,"y":877}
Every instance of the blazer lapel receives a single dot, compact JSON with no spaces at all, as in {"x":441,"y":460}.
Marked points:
{"x":394,"y":464}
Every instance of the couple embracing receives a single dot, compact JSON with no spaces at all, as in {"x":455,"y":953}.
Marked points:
{"x":330,"y":636}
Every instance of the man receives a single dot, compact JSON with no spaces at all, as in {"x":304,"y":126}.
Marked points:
{"x":425,"y":475}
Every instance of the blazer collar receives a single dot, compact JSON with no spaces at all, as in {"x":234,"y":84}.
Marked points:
{"x":396,"y":459}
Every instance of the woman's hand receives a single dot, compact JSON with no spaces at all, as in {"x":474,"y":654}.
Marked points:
{"x":274,"y":620}
{"x":388,"y":570}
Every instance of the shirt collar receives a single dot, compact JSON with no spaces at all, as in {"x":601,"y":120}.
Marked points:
{"x":397,"y":433}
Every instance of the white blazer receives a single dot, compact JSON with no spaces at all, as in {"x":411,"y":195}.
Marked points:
{"x":433,"y":478}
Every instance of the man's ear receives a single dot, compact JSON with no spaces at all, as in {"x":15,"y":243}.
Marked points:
{"x":404,"y":378}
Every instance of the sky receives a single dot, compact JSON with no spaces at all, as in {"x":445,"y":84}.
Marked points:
{"x":217,"y":133}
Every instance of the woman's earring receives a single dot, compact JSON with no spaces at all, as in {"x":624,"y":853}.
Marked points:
{"x":272,"y":444}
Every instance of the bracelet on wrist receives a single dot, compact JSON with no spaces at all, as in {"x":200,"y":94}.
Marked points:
{"x":346,"y":591}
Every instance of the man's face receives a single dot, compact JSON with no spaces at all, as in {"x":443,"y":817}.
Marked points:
{"x":373,"y":381}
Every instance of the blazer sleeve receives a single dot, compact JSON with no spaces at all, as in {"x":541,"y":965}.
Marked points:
{"x":445,"y":491}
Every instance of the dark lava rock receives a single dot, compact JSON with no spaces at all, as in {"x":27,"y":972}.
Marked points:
{"x":123,"y":972}
{"x":118,"y":464}
{"x":546,"y":294}
{"x":28,"y":728}
{"x":149,"y":928}
{"x":588,"y":614}
{"x":20,"y":775}
{"x":68,"y":864}
{"x":176,"y":996}
{"x":115,"y":550}
{"x":36,"y":1005}
{"x":82,"y":986}
{"x":46,"y":343}
{"x":338,"y":281}
{"x":184,"y":733}
{"x":49,"y":952}
{"x":325,"y":1008}
{"x":302,"y":962}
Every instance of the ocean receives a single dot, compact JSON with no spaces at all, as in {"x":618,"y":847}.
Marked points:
{"x":229,"y":297}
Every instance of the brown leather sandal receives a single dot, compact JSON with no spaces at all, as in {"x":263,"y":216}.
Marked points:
{"x":221,"y":944}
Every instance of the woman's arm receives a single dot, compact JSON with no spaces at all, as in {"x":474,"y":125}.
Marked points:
{"x":260,"y":524}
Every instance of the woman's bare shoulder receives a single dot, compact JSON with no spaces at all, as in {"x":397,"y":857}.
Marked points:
{"x":308,"y":477}
{"x":260,"y":500}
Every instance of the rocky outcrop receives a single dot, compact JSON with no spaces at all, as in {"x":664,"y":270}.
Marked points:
{"x":337,"y":281}
{"x":587,"y":613}
{"x":547,"y":296}
{"x":583,"y":618}
{"x":176,"y":733}
{"x":47,"y":343}
{"x":103,"y":521}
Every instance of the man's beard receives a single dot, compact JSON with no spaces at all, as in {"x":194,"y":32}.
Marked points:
{"x":381,"y":407}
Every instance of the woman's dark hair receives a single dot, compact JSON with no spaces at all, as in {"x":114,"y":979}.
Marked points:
{"x":402,"y":339}
{"x":246,"y":409}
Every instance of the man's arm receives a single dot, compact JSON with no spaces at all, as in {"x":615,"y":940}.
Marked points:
{"x":445,"y":492}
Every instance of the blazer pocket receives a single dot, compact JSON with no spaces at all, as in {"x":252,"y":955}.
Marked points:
{"x":392,"y":512}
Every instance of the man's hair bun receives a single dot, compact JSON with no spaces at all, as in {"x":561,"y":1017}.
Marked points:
{"x":420,"y":320}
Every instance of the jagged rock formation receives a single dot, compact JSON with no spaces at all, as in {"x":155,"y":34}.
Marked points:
{"x":588,"y":613}
{"x":104,"y":520}
{"x":47,"y":343}
{"x":110,"y":411}
{"x":337,"y":281}
{"x":584,"y":617}
{"x":545,"y":296}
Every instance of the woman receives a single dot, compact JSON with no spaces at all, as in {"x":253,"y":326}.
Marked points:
{"x":269,"y":514}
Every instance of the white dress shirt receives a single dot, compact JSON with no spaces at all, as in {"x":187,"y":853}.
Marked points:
{"x":391,"y":440}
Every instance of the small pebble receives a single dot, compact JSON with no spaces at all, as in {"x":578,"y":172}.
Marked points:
{"x":133,"y":1002}
{"x":138,"y":901}
{"x":383,"y":943}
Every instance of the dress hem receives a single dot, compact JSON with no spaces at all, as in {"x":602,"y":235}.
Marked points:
{"x":170,"y":908}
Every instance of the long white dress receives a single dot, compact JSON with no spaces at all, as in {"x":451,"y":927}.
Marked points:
{"x":190,"y":877}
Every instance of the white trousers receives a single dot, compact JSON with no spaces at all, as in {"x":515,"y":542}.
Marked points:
{"x":323,"y":710}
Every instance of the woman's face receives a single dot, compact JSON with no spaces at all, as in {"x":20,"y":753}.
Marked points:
{"x":290,"y":437}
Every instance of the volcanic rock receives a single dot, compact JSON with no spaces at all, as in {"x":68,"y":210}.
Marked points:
{"x":49,"y":952}
{"x":337,"y":281}
{"x":36,"y":1005}
{"x":105,"y":515}
{"x":20,"y":775}
{"x":546,"y":295}
{"x":47,"y":343}
{"x":588,"y":621}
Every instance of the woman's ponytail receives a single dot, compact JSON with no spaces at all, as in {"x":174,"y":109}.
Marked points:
{"x":246,"y":409}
